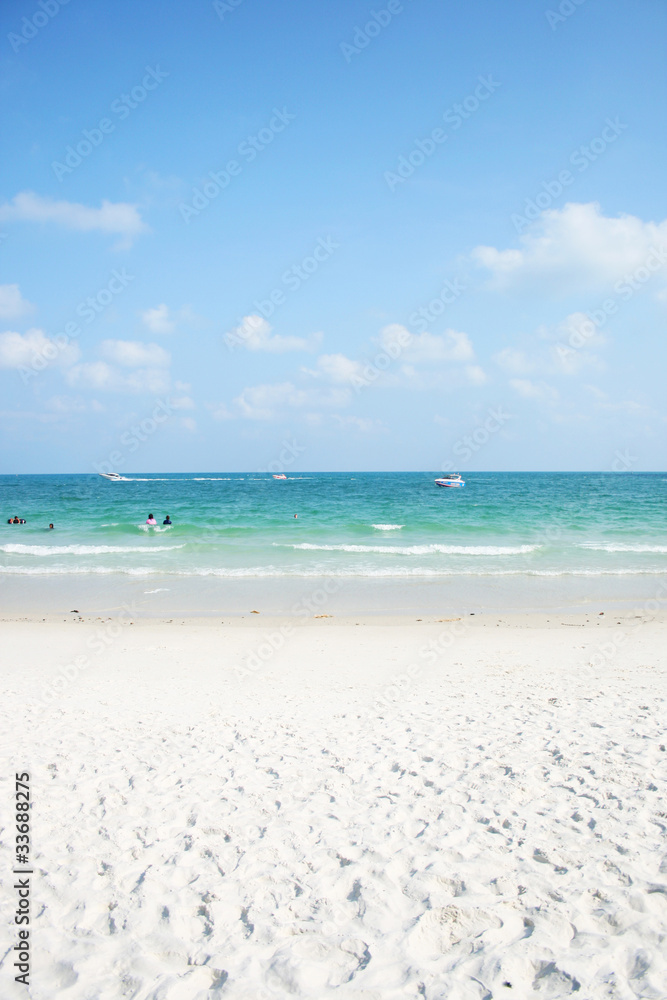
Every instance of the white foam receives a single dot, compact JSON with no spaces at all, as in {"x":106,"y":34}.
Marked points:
{"x":82,"y":550}
{"x":318,"y":572}
{"x":620,"y":547}
{"x":387,"y":527}
{"x":418,"y":550}
{"x":158,"y":590}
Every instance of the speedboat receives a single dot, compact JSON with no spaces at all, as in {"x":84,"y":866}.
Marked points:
{"x":281,"y":475}
{"x":114,"y":477}
{"x":453,"y":479}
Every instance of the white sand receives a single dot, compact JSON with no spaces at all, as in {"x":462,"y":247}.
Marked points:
{"x":499,"y":819}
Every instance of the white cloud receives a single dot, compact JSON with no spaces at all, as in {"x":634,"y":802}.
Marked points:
{"x":254,"y":333}
{"x":189,"y":423}
{"x":267,"y":402}
{"x":135,"y":354}
{"x":475,"y":374}
{"x":576,"y":248}
{"x":157,"y":320}
{"x":364,"y":425}
{"x":220,"y":411}
{"x":337,"y":368}
{"x":102,"y":376}
{"x":514,"y":361}
{"x":534,"y":390}
{"x":400,"y":346}
{"x":12,"y":303}
{"x":627,"y":406}
{"x":413,"y":348}
{"x":182,"y":403}
{"x":71,"y":404}
{"x":119,"y":217}
{"x":579,"y":329}
{"x":34,"y":350}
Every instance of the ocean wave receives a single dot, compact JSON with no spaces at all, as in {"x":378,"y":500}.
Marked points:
{"x":417,"y":550}
{"x":387,"y":527}
{"x":620,"y":547}
{"x":321,"y":573}
{"x":82,"y":550}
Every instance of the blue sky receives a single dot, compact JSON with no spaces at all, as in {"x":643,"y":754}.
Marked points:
{"x":437,"y":237}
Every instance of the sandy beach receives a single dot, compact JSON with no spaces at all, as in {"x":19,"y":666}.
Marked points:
{"x":451,"y":807}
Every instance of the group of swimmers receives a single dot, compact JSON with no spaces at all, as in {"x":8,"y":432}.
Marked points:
{"x":151,"y":520}
{"x":21,"y":520}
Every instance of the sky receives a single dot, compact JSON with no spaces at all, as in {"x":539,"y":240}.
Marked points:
{"x":416,"y":235}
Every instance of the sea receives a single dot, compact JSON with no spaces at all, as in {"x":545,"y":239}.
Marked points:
{"x":333,"y":542}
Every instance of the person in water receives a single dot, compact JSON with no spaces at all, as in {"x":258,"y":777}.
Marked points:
{"x":150,"y":520}
{"x":50,"y":527}
{"x":16,"y":520}
{"x":167,"y":520}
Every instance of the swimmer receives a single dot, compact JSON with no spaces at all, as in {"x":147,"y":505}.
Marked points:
{"x":150,"y":520}
{"x":167,"y":520}
{"x":50,"y":527}
{"x":296,"y":515}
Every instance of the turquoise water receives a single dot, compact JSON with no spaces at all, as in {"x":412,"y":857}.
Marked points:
{"x":359,"y":525}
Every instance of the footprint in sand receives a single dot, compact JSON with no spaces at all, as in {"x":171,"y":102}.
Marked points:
{"x":440,"y":929}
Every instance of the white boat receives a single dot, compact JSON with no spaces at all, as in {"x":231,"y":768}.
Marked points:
{"x":453,"y":479}
{"x":114,"y":477}
{"x":281,"y":475}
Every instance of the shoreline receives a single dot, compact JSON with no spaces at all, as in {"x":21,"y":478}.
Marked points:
{"x":604,"y":619}
{"x":203,"y":597}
